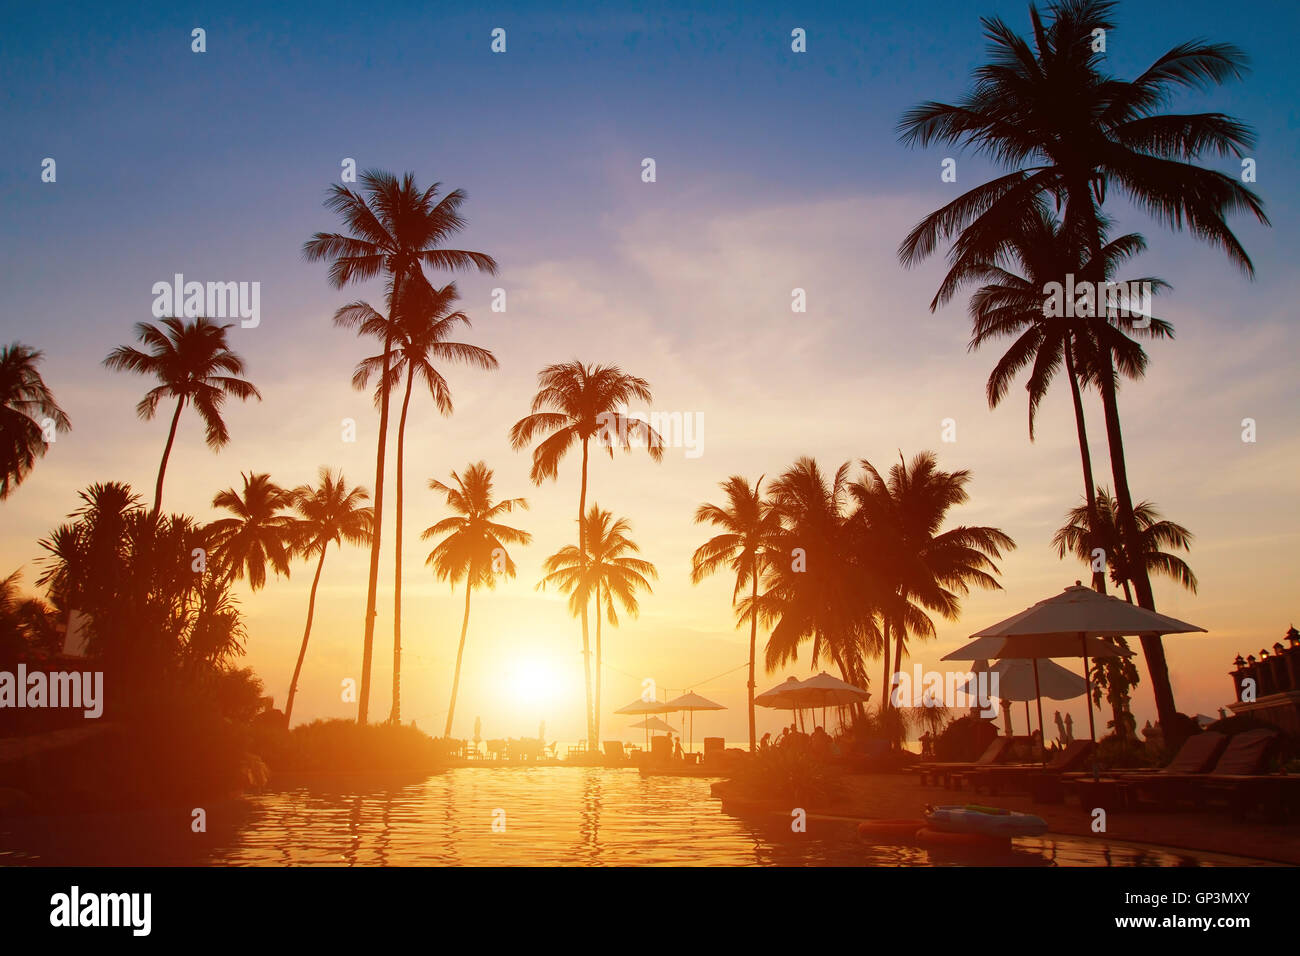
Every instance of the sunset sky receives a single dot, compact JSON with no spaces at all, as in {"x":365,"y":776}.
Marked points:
{"x":775,"y":170}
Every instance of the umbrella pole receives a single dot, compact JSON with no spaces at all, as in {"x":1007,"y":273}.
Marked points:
{"x":1042,"y":738}
{"x":1087,"y":688}
{"x":1029,"y":724}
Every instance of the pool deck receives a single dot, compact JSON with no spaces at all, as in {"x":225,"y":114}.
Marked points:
{"x":901,"y":796}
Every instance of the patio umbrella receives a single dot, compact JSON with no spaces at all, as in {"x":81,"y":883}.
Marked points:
{"x":1070,"y":624}
{"x":824,"y":689}
{"x":780,"y":697}
{"x":643,"y":706}
{"x":652,"y":723}
{"x":1016,"y":682}
{"x":691,"y":702}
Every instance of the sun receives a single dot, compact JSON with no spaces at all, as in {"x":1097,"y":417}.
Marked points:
{"x":533,"y":681}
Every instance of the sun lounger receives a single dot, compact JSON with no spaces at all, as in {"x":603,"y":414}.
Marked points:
{"x":1042,"y":780}
{"x":945,"y":774}
{"x":1245,"y":756}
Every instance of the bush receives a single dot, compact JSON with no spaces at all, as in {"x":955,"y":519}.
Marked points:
{"x":789,"y":774}
{"x":345,"y":747}
{"x":964,"y":739}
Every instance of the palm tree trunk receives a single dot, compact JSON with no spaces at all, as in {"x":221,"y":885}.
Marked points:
{"x":396,"y":716}
{"x":753,"y":643}
{"x":167,"y":451}
{"x":372,"y":586}
{"x":596,"y":709}
{"x":1085,"y":454}
{"x":884,"y":684}
{"x":582,"y":551}
{"x":306,"y":633}
{"x":460,"y":652}
{"x":1153,"y":649}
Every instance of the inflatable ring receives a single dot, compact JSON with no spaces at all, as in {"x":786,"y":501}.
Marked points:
{"x":928,"y":837}
{"x":889,"y":831}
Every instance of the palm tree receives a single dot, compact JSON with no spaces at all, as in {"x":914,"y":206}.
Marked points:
{"x":925,"y":569}
{"x":610,"y":574}
{"x":26,"y":405}
{"x":1083,"y":532}
{"x":1155,"y":534}
{"x":821,"y":583}
{"x":28,"y":625}
{"x":473,"y":548}
{"x":749,"y":527}
{"x":418,"y":340}
{"x":575,"y":403}
{"x":395,"y":229}
{"x":1068,"y":129}
{"x":330,"y":513}
{"x":1011,"y":306}
{"x":260,"y":533}
{"x":194,"y":365}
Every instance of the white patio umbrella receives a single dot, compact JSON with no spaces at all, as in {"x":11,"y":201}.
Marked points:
{"x":1016,"y":682}
{"x":1070,"y":624}
{"x":691,"y":702}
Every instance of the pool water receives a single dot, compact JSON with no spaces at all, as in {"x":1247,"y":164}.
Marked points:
{"x":543,"y":816}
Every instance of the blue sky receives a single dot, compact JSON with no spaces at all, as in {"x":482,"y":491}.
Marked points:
{"x":775,"y":170}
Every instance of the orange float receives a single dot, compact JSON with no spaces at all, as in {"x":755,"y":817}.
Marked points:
{"x":889,"y":831}
{"x":929,"y":837}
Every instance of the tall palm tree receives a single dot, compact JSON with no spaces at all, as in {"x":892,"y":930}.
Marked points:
{"x":611,"y":574}
{"x":473,"y":545}
{"x":574,"y":404}
{"x":926,"y":569}
{"x":1011,"y":306}
{"x":330,"y":513}
{"x":419,"y":339}
{"x":749,"y":527}
{"x":1068,"y":129}
{"x":195,"y":366}
{"x":26,"y":404}
{"x":821,"y":583}
{"x":395,"y":229}
{"x":259,"y":533}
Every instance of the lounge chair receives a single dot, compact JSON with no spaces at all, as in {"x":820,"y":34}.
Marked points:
{"x":1042,"y":780}
{"x":1198,"y":754}
{"x":1243,"y":759}
{"x":947,"y":774}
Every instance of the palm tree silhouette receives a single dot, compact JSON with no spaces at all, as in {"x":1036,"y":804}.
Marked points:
{"x":750,"y":528}
{"x":395,"y":229}
{"x":1011,"y":306}
{"x":259,"y":533}
{"x":1049,"y":104}
{"x":925,"y":569}
{"x":1155,"y":534}
{"x":1080,"y":535}
{"x":194,"y":364}
{"x":417,"y":341}
{"x":611,"y":574}
{"x":474,"y":546}
{"x":819,"y":581}
{"x":575,"y":403}
{"x":26,"y":405}
{"x":330,"y":513}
